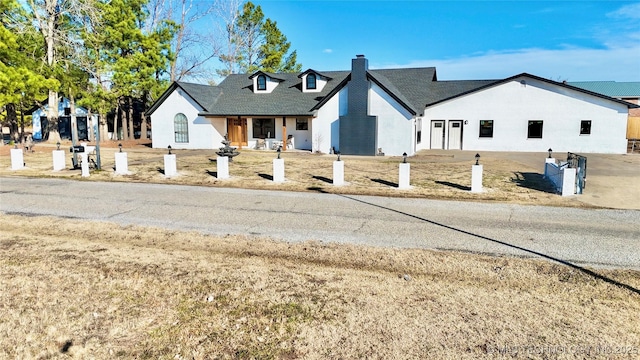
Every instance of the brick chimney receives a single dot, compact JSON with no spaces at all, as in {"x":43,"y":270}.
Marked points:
{"x":358,"y":130}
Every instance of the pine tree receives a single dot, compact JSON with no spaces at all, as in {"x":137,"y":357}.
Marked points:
{"x":273,"y":52}
{"x":20,"y":82}
{"x":256,"y":43}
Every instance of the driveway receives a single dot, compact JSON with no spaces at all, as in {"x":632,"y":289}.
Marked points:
{"x":613,"y":181}
{"x":607,"y":238}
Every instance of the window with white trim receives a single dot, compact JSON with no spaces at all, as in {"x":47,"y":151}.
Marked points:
{"x":181,"y":128}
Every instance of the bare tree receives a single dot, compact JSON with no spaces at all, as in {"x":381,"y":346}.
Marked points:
{"x":56,"y":19}
{"x":192,"y":49}
{"x":227,"y":12}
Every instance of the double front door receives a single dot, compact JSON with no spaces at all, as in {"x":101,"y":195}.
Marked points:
{"x":452,"y":133}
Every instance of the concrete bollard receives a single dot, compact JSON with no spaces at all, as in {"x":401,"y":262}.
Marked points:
{"x":476,"y":178}
{"x":170,"y":168}
{"x":222,"y":164}
{"x":17,"y":159}
{"x":404,"y":174}
{"x":338,"y":173}
{"x":84,"y":164}
{"x":122,"y":163}
{"x":278,"y":170}
{"x":59,"y":161}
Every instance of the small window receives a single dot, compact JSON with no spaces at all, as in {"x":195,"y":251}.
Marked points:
{"x":181,"y":128}
{"x":486,"y":128}
{"x":67,"y":111}
{"x":302,"y":124}
{"x":534,"y":130}
{"x":455,"y":125}
{"x":264,"y":128}
{"x":311,"y":81}
{"x":585,"y":127}
{"x":437,"y":125}
{"x":262,"y":82}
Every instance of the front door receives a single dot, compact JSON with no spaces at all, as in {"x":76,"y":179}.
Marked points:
{"x":437,"y":134}
{"x":455,"y":135}
{"x":237,"y":131}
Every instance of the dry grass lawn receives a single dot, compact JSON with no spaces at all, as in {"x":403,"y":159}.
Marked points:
{"x":87,"y":290}
{"x":432,"y":176}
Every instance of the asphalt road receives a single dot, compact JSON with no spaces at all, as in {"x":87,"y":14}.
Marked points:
{"x":601,"y":238}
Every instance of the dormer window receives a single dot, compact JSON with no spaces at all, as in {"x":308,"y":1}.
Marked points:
{"x":262,"y":82}
{"x":311,"y":81}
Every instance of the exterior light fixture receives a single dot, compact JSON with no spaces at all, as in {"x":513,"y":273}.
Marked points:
{"x":120,"y":146}
{"x":169,"y":147}
{"x":550,"y":150}
{"x":58,"y":145}
{"x":404,"y":158}
{"x":477,"y":159}
{"x":279,"y":151}
{"x":338,"y":152}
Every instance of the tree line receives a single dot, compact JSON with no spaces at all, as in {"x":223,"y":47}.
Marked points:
{"x":116,"y":57}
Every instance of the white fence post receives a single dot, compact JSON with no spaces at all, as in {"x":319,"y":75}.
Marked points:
{"x":338,"y":172}
{"x":278,"y":170}
{"x":59,"y":162}
{"x":170,"y":168}
{"x":404,"y":175}
{"x":222,"y":165}
{"x":84,"y":164}
{"x":122,"y":163}
{"x":17,"y":159}
{"x":476,"y":178}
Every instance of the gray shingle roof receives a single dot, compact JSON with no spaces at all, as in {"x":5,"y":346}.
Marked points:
{"x":410,"y":86}
{"x":237,"y":97}
{"x":205,"y":95}
{"x":413,"y":88}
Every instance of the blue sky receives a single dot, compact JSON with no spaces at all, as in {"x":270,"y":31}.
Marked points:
{"x":558,"y":40}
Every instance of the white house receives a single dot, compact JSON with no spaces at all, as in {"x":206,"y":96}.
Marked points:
{"x":390,"y":111}
{"x":83,"y":122}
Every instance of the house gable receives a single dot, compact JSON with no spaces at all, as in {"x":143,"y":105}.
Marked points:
{"x":524,"y":76}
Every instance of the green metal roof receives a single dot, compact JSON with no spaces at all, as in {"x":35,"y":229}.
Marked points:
{"x":610,"y":88}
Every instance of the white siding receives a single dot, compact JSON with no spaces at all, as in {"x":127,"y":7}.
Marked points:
{"x":395,"y":125}
{"x":324,"y":133}
{"x":513,"y":104}
{"x":203,"y":133}
{"x":301,"y":138}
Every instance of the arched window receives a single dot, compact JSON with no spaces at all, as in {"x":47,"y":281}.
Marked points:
{"x":262,"y":82}
{"x":311,"y":81}
{"x":181,"y":128}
